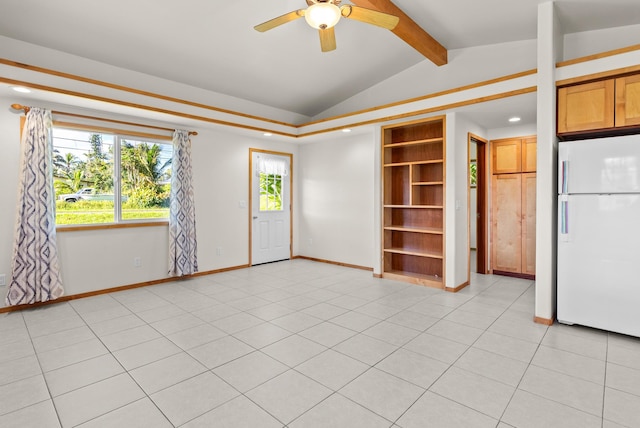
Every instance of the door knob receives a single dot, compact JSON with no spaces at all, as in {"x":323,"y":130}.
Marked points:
{"x":255,"y":217}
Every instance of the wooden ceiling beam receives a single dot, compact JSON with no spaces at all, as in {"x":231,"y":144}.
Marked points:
{"x":409,"y":31}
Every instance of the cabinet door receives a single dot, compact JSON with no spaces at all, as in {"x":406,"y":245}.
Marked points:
{"x":529,"y":155}
{"x":586,"y":107}
{"x":506,"y":244}
{"x":506,"y":156}
{"x":628,"y":101}
{"x":529,"y":223}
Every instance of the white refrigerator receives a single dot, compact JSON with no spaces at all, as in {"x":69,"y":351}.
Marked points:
{"x":599,"y":234}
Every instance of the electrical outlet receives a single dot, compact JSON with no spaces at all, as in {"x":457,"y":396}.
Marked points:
{"x":310,"y":241}
{"x":219,"y":251}
{"x":137,"y":262}
{"x":3,"y":280}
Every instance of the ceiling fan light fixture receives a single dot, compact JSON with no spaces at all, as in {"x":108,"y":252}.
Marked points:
{"x":322,"y":15}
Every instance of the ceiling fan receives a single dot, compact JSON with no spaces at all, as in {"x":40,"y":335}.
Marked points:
{"x":325,"y":14}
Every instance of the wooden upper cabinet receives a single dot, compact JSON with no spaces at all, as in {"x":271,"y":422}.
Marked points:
{"x":513,"y":155}
{"x":628,"y":100}
{"x":506,"y":156}
{"x":599,"y":106}
{"x":586,"y":107}
{"x":529,"y":154}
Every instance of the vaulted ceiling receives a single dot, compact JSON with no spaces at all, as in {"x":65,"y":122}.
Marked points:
{"x":211,"y":44}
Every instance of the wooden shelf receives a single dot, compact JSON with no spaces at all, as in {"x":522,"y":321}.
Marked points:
{"x":413,"y":142}
{"x":432,"y":207}
{"x":435,"y":161}
{"x":428,"y":183}
{"x":398,"y":274}
{"x":426,"y":162}
{"x":413,"y":253}
{"x":398,"y":164}
{"x":430,"y":230}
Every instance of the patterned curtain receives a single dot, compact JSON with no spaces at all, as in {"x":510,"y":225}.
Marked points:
{"x":183,"y":259}
{"x":35,"y":273}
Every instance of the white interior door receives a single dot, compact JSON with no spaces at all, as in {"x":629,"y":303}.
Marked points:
{"x":271,"y":208}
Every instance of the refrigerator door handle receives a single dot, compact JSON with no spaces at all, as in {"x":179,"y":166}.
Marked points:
{"x":565,"y":177}
{"x":564,"y":218}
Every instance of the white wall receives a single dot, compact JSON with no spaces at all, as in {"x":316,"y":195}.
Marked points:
{"x":457,"y":208}
{"x":512,"y":131}
{"x":473,"y":202}
{"x":577,"y":45}
{"x":40,"y":56}
{"x":336,"y":202}
{"x":466,"y":66}
{"x":10,"y":161}
{"x":99,"y":259}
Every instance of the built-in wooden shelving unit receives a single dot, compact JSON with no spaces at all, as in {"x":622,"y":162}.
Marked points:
{"x":413,"y":171}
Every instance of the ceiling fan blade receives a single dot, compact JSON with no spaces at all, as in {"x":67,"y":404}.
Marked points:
{"x":327,"y":39}
{"x":272,"y":23}
{"x":369,"y":16}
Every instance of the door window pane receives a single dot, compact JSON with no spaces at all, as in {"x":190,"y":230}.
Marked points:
{"x":270,"y":192}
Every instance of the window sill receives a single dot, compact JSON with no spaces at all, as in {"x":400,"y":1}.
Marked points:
{"x":77,"y":228}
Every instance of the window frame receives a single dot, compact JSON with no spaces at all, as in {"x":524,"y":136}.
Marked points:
{"x":119,"y":135}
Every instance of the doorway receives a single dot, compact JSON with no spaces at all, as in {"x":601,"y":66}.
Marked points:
{"x":270,"y":206}
{"x":478,"y":243}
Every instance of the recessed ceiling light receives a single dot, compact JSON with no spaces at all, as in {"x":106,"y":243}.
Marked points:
{"x":514,"y":119}
{"x":267,"y":134}
{"x":346,"y":130}
{"x":21,"y":89}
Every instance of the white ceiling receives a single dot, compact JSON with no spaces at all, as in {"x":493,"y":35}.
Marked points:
{"x":211,"y":44}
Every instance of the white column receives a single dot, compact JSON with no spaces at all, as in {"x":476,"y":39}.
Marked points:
{"x":550,"y":40}
{"x":377,"y":201}
{"x":450,"y":202}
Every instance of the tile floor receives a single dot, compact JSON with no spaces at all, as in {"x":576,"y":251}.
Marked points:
{"x":304,"y":344}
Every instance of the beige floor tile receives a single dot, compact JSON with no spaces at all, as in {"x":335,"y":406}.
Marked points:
{"x":193,"y":397}
{"x":250,"y":371}
{"x":338,"y":411}
{"x":288,"y":395}
{"x":527,"y":410}
{"x":382,"y":393}
{"x":332,"y":369}
{"x":441,"y":412}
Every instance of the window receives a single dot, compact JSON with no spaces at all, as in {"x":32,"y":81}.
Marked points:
{"x":271,"y":170}
{"x":270,"y":192}
{"x":107,"y":178}
{"x":473,"y":173}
